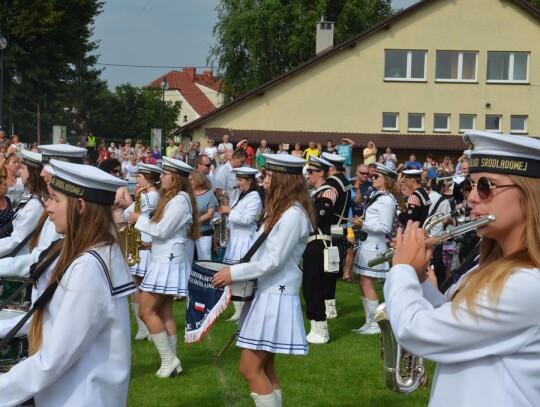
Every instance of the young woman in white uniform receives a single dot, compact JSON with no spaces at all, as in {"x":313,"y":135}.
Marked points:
{"x":30,"y":208}
{"x":175,"y":221}
{"x":486,"y":337}
{"x":377,"y":222}
{"x":148,"y":178}
{"x":242,"y":218}
{"x":79,"y":340}
{"x":274,"y":322}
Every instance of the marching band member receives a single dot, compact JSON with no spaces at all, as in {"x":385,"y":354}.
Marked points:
{"x":485,"y":338}
{"x":30,"y":208}
{"x":79,"y":338}
{"x":418,"y":202}
{"x":242,"y":221}
{"x":314,"y":278}
{"x":274,"y":323}
{"x":175,"y":221}
{"x":147,"y":178}
{"x":376,"y":224}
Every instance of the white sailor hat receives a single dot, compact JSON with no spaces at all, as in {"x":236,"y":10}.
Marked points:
{"x":503,"y":153}
{"x":284,"y":163}
{"x":31,"y":159}
{"x":86,"y":182}
{"x":412,"y":173}
{"x":176,"y":166}
{"x":245,"y":172}
{"x":62,"y":152}
{"x":319,"y":163}
{"x":149,"y":169}
{"x":384,"y":170}
{"x":334,"y":159}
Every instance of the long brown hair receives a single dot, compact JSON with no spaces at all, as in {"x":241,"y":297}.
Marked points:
{"x":36,"y":184}
{"x":391,"y":187}
{"x":178,"y":184}
{"x":94,"y":226}
{"x":32,"y":244}
{"x":285,"y":191}
{"x":494,"y":269}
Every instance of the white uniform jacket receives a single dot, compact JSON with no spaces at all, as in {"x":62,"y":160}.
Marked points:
{"x":19,"y":266}
{"x":275,"y":264}
{"x":170,"y":234}
{"x":490,"y":360}
{"x":378,"y":222}
{"x":85,"y":356}
{"x":149,"y":202}
{"x":24,"y":222}
{"x":242,"y":220}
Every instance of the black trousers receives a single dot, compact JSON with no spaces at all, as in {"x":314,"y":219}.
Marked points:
{"x":317,"y":285}
{"x":438,"y":264}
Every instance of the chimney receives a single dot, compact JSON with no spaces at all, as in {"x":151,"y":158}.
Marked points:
{"x":190,"y":72}
{"x":208,"y":75}
{"x":325,"y":36}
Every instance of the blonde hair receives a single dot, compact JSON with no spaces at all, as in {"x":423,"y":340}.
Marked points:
{"x":93,"y":226}
{"x":494,"y":269}
{"x":178,"y":184}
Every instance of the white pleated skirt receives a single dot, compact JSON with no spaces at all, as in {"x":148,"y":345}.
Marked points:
{"x":139,"y":269}
{"x":274,"y":323}
{"x":363,"y":256}
{"x":238,"y":246}
{"x":167,"y":278}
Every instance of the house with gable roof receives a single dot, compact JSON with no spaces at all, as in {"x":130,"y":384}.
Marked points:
{"x":414,"y":82}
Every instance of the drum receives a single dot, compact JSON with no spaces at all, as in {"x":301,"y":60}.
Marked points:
{"x":241,"y":290}
{"x":16,"y":349}
{"x":8,"y":285}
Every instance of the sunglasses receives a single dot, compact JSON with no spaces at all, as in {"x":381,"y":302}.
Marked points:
{"x":310,"y":170}
{"x":207,"y":165}
{"x":363,"y":173}
{"x":375,"y":176}
{"x":483,"y":186}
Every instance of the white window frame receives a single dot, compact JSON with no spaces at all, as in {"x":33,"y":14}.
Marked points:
{"x":415,"y":129}
{"x":499,"y":130}
{"x":461,"y":130}
{"x":525,"y":124}
{"x":441,"y":129}
{"x":460,"y":67}
{"x":396,"y":116}
{"x":407,"y":77}
{"x":510,"y":68}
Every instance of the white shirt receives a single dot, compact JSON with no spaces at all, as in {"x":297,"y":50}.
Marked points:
{"x":243,"y":217}
{"x":443,"y":209}
{"x":85,"y":357}
{"x":225,"y":179}
{"x":490,"y":360}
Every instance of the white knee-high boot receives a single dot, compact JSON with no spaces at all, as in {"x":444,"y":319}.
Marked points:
{"x":368,"y":320}
{"x":319,"y":332}
{"x":238,"y":305}
{"x":331,"y":310}
{"x":170,"y":364}
{"x":142,"y":331}
{"x":372,"y":327}
{"x":265,"y":400}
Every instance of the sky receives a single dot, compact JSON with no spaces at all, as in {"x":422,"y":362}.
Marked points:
{"x":154,"y":37}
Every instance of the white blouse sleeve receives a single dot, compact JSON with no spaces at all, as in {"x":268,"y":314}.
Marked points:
{"x":442,"y":336}
{"x":247,"y":213}
{"x":177,"y":213}
{"x":23,"y":224}
{"x":380,"y":219}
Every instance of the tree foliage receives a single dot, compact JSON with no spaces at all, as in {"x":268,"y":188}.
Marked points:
{"x":257,"y":40}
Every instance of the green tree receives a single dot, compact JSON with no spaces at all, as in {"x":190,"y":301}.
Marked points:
{"x":256,"y":40}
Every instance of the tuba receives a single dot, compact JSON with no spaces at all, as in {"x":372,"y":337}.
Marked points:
{"x":404,"y":371}
{"x":221,"y":231}
{"x":130,"y":238}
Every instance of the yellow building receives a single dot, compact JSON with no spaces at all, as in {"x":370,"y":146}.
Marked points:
{"x":414,"y":82}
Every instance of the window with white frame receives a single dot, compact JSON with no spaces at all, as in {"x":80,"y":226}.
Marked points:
{"x":441,"y":122}
{"x":416,"y":122}
{"x":467,"y":122}
{"x":518,"y":124}
{"x":508,"y":67}
{"x":493,"y":122}
{"x":458,"y":66}
{"x":390,"y":121}
{"x":404,"y":65}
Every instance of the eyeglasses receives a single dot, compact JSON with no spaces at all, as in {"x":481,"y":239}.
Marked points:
{"x":363,"y":173}
{"x":310,"y":170}
{"x":483,"y":186}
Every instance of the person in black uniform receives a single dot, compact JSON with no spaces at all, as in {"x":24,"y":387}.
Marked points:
{"x":418,"y":203}
{"x":339,"y":181}
{"x":314,"y":279}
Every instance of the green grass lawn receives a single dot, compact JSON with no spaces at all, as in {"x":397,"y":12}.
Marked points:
{"x":347,"y":371}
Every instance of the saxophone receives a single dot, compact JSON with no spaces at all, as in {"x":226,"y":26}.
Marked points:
{"x":221,"y":231}
{"x":130,"y":238}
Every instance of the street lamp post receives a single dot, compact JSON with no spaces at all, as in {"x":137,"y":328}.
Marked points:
{"x":3,"y":45}
{"x":16,"y":79}
{"x":164,"y":86}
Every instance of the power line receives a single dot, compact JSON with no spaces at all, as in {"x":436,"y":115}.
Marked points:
{"x":152,"y":66}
